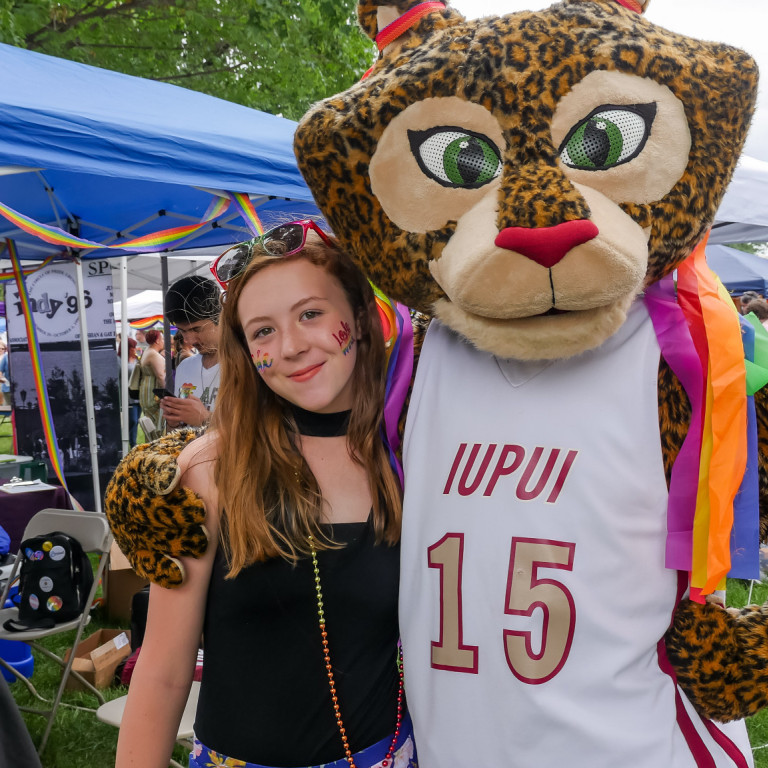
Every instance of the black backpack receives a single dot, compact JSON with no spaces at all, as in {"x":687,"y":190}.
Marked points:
{"x":55,"y":581}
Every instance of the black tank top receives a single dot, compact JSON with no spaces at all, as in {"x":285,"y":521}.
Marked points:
{"x":265,"y":696}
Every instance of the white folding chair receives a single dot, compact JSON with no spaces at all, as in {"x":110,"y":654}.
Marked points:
{"x":112,"y":714}
{"x":92,"y":531}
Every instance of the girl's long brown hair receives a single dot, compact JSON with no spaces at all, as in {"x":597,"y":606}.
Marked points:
{"x":269,"y":500}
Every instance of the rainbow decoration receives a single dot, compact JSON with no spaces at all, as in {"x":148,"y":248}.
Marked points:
{"x":7,"y":277}
{"x":49,"y":430}
{"x":398,"y":339}
{"x":152,"y":243}
{"x":145,"y":322}
{"x":243,"y":205}
{"x":700,"y":336}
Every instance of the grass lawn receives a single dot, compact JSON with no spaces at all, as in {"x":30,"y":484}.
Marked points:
{"x":78,"y":739}
{"x":6,"y":437}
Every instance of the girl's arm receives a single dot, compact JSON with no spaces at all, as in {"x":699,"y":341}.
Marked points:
{"x":163,"y":675}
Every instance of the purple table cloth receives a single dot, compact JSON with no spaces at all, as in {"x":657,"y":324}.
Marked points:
{"x":17,"y":509}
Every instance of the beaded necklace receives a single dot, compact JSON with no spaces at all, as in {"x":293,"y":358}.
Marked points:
{"x":332,"y":684}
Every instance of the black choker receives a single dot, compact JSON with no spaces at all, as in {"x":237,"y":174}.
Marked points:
{"x":311,"y":424}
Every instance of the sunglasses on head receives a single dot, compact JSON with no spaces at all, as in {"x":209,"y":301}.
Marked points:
{"x":284,"y":240}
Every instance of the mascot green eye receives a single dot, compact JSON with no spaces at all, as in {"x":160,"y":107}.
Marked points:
{"x":608,"y":137}
{"x":455,"y":157}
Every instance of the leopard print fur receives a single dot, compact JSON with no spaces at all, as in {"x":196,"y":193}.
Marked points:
{"x":518,"y":91}
{"x":154,"y":520}
{"x":721,"y":659}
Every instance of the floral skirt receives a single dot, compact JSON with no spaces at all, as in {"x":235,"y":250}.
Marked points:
{"x":371,"y":757}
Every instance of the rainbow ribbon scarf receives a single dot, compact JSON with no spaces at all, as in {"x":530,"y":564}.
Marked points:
{"x":712,"y":510}
{"x":398,"y":340}
{"x":49,"y":430}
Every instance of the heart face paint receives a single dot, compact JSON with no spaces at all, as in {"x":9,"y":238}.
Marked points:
{"x":262,"y":361}
{"x":344,"y":338}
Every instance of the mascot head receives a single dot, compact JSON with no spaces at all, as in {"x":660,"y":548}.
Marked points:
{"x":523,"y":177}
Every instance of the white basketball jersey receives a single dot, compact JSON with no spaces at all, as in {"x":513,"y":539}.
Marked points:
{"x":533,"y":596}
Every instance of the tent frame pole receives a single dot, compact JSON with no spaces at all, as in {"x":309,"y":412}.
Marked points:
{"x":88,"y":385}
{"x":124,"y":353}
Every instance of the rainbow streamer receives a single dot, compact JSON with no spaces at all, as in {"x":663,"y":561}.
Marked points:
{"x":714,"y":320}
{"x":244,"y":207}
{"x":145,"y":322}
{"x":152,"y":243}
{"x":398,"y":339}
{"x":700,"y":337}
{"x":49,"y":430}
{"x":7,"y":277}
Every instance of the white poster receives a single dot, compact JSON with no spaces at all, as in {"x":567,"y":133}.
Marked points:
{"x":54,"y":304}
{"x":53,"y":300}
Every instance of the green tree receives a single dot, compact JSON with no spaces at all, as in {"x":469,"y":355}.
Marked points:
{"x":758,"y":248}
{"x":275,"y":55}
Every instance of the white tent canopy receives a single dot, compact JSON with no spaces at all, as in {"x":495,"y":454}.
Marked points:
{"x":141,"y":305}
{"x":743,"y":214}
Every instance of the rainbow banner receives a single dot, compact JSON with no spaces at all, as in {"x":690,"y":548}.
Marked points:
{"x":152,"y":243}
{"x":700,"y":336}
{"x":7,"y":277}
{"x":244,"y":207}
{"x":49,"y":430}
{"x":397,"y":329}
{"x":145,"y":322}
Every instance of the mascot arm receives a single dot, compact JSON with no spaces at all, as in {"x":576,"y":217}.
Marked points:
{"x":720,"y":657}
{"x":154,"y":520}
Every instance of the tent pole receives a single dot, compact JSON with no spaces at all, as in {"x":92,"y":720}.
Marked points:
{"x":88,"y":385}
{"x":124,"y":405}
{"x":166,"y":326}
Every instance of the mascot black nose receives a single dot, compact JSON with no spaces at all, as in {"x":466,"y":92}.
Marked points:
{"x":547,"y":245}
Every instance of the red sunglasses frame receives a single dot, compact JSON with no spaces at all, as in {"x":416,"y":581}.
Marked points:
{"x":306,"y":225}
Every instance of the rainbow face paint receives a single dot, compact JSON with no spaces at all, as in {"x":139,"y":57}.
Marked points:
{"x":344,"y":338}
{"x":261,"y":362}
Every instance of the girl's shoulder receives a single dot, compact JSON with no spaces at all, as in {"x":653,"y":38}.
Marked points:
{"x":196,"y":465}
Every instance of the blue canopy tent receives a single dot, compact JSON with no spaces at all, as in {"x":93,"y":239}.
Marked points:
{"x":108,"y":157}
{"x":738,"y":270}
{"x":107,"y":153}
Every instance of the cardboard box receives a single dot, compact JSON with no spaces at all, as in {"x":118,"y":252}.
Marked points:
{"x":97,"y":657}
{"x":121,"y":585}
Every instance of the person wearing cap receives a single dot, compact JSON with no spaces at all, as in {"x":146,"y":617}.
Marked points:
{"x":193,"y":305}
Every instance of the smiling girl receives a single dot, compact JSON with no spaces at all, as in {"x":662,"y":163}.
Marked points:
{"x":297,"y":594}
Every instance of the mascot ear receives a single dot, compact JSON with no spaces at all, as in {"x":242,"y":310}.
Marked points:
{"x":388,"y":20}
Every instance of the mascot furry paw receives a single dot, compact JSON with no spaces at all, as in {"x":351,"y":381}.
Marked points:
{"x":533,"y":181}
{"x":155,"y":520}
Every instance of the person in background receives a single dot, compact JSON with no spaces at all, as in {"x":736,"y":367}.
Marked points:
{"x":134,"y":408}
{"x":745,"y":298}
{"x":303,"y":513}
{"x":193,"y":305}
{"x":182,"y":349}
{"x":141,"y":343}
{"x":5,"y":376}
{"x":760,"y":307}
{"x":152,"y":374}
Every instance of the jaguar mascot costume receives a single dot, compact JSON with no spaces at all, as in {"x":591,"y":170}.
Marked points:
{"x":585,"y":443}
